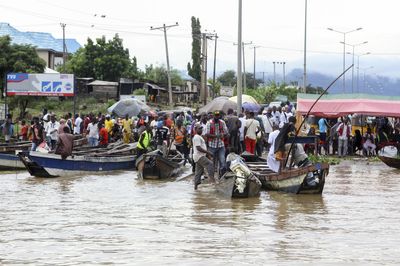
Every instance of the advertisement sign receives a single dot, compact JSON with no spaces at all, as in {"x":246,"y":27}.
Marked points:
{"x":40,"y":84}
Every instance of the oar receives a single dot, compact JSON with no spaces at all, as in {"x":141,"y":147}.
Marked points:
{"x":312,"y":106}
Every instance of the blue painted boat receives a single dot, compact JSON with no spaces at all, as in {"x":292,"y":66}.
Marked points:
{"x":51,"y":165}
{"x":9,"y":155}
{"x":10,"y":161}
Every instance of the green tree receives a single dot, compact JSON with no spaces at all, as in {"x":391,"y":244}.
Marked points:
{"x":216,"y":87}
{"x":250,"y":81}
{"x":104,"y":60}
{"x":314,"y":90}
{"x":18,"y":58}
{"x":194,"y":69}
{"x":159,"y":75}
{"x":228,"y":78}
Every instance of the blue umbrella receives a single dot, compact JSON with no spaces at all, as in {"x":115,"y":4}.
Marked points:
{"x":251,"y":107}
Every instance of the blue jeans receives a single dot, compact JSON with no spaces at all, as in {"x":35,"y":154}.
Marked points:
{"x":219,"y":154}
{"x":93,"y":142}
{"x":34,"y":146}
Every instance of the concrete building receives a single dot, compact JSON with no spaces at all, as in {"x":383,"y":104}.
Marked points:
{"x":48,"y":48}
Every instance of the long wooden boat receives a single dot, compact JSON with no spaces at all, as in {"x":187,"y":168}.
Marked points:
{"x":391,"y":161}
{"x":154,"y":165}
{"x":302,"y":180}
{"x":52,"y":165}
{"x":8,"y":154}
{"x":9,"y":158}
{"x":389,"y":155}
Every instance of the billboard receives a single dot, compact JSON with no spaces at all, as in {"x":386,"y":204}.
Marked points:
{"x":40,"y":84}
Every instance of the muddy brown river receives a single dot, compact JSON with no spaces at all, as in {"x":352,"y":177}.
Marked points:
{"x":117,"y":219}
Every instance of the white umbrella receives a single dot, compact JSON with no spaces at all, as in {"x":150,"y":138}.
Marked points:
{"x":130,"y":107}
{"x":221,"y":103}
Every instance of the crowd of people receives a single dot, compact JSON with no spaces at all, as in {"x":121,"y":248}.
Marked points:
{"x":337,"y":136}
{"x":205,"y":139}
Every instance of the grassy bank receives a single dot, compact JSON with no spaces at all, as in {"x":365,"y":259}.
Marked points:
{"x":57,"y":105}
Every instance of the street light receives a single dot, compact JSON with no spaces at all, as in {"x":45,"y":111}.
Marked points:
{"x":344,"y":52}
{"x":274,"y":73}
{"x":364,"y":70}
{"x":352,"y":69}
{"x":358,"y":68}
{"x":283,"y":71}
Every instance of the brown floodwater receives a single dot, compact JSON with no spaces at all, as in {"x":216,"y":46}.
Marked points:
{"x":117,"y":219}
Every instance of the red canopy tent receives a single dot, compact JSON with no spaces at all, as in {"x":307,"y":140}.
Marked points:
{"x":336,"y":105}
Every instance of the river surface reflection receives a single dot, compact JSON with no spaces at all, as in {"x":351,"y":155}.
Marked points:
{"x":117,"y":219}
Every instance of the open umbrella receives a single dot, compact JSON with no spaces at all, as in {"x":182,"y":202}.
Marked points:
{"x":221,"y":103}
{"x":245,"y":99}
{"x":251,"y":107}
{"x":130,"y":107}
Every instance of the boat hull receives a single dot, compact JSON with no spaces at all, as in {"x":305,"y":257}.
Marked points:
{"x":238,"y":187}
{"x":51,"y":165}
{"x":297,"y":181}
{"x":10,"y":161}
{"x":391,"y":162}
{"x":155,"y":166}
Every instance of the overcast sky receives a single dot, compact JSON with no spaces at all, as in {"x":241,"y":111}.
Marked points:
{"x":276,"y":26}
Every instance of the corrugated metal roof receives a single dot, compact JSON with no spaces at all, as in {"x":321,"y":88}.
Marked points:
{"x":41,"y":40}
{"x":103,"y":83}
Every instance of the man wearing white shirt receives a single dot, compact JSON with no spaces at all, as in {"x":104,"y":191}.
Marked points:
{"x":242,"y":119}
{"x":250,"y":133}
{"x":52,"y":132}
{"x":201,"y":157}
{"x":93,"y":133}
{"x":77,"y":124}
{"x":272,"y":162}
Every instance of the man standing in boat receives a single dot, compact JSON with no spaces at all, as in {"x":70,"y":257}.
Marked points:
{"x":251,"y":129}
{"x":272,"y":162}
{"x":216,"y":131}
{"x":144,"y":141}
{"x":201,"y":157}
{"x":65,"y":143}
{"x":52,"y":132}
{"x":127,"y":126}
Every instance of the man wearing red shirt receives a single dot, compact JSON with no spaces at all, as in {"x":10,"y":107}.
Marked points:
{"x":103,"y":135}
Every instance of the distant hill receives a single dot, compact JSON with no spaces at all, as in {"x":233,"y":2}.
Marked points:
{"x":371,"y":84}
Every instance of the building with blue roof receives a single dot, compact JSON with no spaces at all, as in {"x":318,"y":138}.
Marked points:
{"x":48,"y":48}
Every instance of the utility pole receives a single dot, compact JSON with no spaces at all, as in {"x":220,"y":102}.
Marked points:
{"x":164,"y":28}
{"x":204,"y":88}
{"x":64,"y":46}
{"x":244,"y":65}
{"x":254,"y":67}
{"x":215,"y":63}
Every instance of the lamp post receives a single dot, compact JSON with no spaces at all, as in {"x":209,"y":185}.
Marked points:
{"x":358,"y":69}
{"x":352,"y":69}
{"x":283,"y":70}
{"x":305,"y":49}
{"x":344,"y":52}
{"x":274,"y":73}
{"x":239,"y":61}
{"x":364,"y":70}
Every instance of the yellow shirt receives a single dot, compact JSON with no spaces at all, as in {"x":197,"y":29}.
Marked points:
{"x":108,"y":124}
{"x":127,"y":124}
